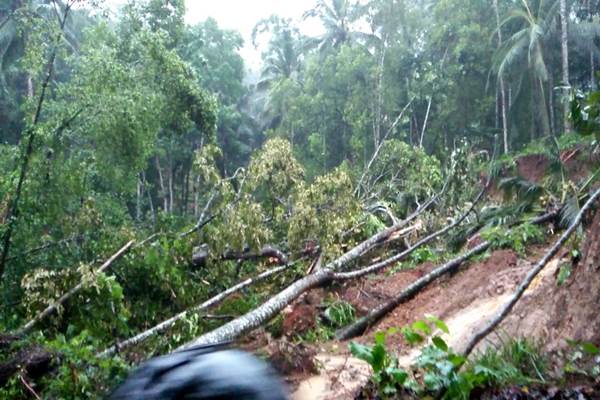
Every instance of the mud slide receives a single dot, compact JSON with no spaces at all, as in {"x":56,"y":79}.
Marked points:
{"x":465,"y":302}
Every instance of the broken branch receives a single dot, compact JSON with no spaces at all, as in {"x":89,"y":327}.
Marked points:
{"x":54,"y":306}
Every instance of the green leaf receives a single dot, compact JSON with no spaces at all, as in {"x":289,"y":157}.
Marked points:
{"x":398,"y":375}
{"x":590,"y":348}
{"x":380,"y":338}
{"x":563,"y":274}
{"x":440,"y":343}
{"x":411,"y":336}
{"x":379,"y":357}
{"x":361,"y":351}
{"x":438,"y":323}
{"x":421,"y":326}
{"x":456,"y":359}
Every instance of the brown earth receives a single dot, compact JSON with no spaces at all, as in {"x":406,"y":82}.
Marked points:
{"x":570,"y":311}
{"x":576,"y":161}
{"x":465,"y":301}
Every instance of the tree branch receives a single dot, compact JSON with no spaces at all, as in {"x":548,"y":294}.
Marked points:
{"x":54,"y":306}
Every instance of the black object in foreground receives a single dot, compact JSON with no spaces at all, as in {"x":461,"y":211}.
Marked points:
{"x":203,"y":373}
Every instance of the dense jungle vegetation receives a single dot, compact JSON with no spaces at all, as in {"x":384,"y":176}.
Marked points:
{"x":146,"y":175}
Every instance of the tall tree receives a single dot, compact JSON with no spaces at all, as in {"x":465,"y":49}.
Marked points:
{"x":525,"y":50}
{"x":501,"y":85}
{"x":564,"y":45}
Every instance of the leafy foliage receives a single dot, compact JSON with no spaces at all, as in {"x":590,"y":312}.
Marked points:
{"x":437,"y":372}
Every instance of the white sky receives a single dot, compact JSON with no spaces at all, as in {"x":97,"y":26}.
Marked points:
{"x":242,"y":15}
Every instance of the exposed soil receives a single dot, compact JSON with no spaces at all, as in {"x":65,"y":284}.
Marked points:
{"x":465,"y":301}
{"x":576,"y":162}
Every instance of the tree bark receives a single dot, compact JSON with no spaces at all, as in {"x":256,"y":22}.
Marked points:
{"x":29,"y":86}
{"x":138,"y":202}
{"x":361,"y":325}
{"x":378,"y":266}
{"x":265,"y":312}
{"x":200,"y":257}
{"x":564,"y":44}
{"x":161,"y":182}
{"x":508,"y":306}
{"x":322,"y":276}
{"x":425,"y":121}
{"x":63,"y":299}
{"x":163,"y":326}
{"x":33,"y":361}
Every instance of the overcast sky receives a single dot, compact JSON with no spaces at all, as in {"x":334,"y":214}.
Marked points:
{"x":242,"y":15}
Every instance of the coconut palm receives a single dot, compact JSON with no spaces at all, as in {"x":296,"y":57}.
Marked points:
{"x":282,"y":64}
{"x":523,"y":52}
{"x":336,"y":16}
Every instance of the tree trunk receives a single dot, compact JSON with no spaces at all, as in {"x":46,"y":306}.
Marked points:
{"x":425,"y":121}
{"x":138,"y":201}
{"x":593,"y":71}
{"x":362,"y":324}
{"x":29,"y":86}
{"x":508,"y":306}
{"x":150,"y":202}
{"x":379,"y":98}
{"x":13,"y":213}
{"x":325,"y":275}
{"x":551,"y":105}
{"x":263,"y":313}
{"x":170,"y":183}
{"x":58,"y":303}
{"x":161,"y":182}
{"x":501,"y":83}
{"x":564,"y":44}
{"x":545,"y":119}
{"x":163,"y":326}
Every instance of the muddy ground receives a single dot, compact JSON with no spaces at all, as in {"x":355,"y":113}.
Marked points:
{"x":465,"y":300}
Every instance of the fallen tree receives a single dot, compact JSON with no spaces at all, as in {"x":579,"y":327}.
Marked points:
{"x":508,"y":306}
{"x":352,"y":254}
{"x":362,"y":324}
{"x":76,"y":289}
{"x":166,"y":324}
{"x":321,"y":277}
{"x":201,"y":255}
{"x":33,"y":361}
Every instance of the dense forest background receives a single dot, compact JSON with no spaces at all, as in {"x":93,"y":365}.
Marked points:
{"x":139,"y":126}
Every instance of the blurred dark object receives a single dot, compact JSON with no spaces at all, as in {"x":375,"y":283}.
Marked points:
{"x":203,"y":373}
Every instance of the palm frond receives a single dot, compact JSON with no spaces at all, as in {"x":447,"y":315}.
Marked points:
{"x":569,"y":212}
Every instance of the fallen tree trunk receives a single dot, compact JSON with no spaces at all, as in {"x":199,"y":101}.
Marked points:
{"x":380,"y":237}
{"x":362,"y":324}
{"x":166,"y":324}
{"x":376,"y":267}
{"x":508,"y":306}
{"x":201,"y":255}
{"x":274,"y":305}
{"x":54,"y":306}
{"x":34,"y":361}
{"x":265,"y":312}
{"x":352,"y":254}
